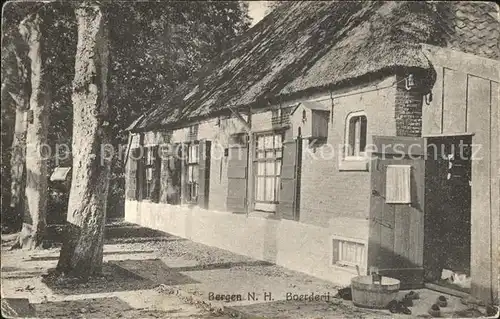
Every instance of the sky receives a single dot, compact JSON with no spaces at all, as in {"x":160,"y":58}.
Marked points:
{"x":257,"y":10}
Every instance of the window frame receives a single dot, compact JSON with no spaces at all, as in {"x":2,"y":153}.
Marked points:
{"x":192,"y":166}
{"x":360,"y":161}
{"x":337,"y":261}
{"x":357,"y":153}
{"x":276,"y":159}
{"x":147,"y":185}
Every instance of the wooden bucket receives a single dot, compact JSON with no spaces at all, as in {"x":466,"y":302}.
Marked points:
{"x":368,"y":294}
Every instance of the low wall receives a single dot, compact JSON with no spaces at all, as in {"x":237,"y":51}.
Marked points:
{"x":294,"y":245}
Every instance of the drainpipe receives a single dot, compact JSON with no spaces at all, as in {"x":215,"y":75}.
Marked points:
{"x":331,"y":97}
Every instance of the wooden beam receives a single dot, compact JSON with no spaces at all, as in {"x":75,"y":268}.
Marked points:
{"x":465,"y":62}
{"x":248,"y":126}
{"x":128,"y":148}
{"x":250,"y":179}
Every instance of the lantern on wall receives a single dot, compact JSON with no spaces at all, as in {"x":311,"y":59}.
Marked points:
{"x":410,"y":82}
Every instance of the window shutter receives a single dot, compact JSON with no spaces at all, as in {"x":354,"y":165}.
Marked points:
{"x":183,"y":158}
{"x":237,"y":179}
{"x":132,"y":174}
{"x":165,"y":154}
{"x":398,"y":184}
{"x":288,"y":206}
{"x":204,"y":175}
{"x":155,"y":192}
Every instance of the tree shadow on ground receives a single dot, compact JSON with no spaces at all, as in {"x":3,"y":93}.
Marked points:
{"x":116,"y":233}
{"x":107,"y":307}
{"x":120,"y":276}
{"x":334,"y":308}
{"x":95,"y":308}
{"x":14,"y":275}
{"x":106,"y":253}
{"x":224,"y":265}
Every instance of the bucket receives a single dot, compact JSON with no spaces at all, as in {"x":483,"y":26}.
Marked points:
{"x":375,"y":295}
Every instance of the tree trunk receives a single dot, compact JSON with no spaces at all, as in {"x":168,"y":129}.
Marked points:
{"x":81,"y":253}
{"x":19,"y":92}
{"x":36,"y":158}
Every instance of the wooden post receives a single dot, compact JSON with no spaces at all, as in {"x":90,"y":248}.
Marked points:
{"x":250,"y":180}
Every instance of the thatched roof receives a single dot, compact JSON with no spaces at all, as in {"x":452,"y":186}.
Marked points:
{"x":316,"y":45}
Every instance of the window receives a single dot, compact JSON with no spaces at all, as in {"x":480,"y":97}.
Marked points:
{"x":192,"y":133}
{"x":149,"y":189}
{"x":356,"y":135}
{"x":268,"y":155}
{"x":193,"y":162}
{"x":348,"y":253}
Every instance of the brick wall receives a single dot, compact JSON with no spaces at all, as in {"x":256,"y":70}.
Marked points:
{"x":218,"y":133}
{"x":408,"y":112}
{"x":327,"y":193}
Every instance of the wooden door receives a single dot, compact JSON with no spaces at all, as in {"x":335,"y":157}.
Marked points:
{"x":448,"y":206}
{"x":237,"y":179}
{"x":396,"y":228}
{"x":289,"y":200}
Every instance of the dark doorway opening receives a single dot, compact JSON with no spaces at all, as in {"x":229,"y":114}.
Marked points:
{"x":447,"y":225}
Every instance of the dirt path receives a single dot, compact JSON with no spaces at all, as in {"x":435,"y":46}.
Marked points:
{"x":119,"y":293}
{"x":150,"y":274}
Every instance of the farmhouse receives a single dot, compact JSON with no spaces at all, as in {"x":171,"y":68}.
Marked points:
{"x":333,"y":135}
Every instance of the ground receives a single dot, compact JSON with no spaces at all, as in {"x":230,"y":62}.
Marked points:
{"x":150,"y":274}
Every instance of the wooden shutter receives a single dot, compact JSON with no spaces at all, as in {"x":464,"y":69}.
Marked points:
{"x":288,"y":207}
{"x":155,"y":191}
{"x":237,"y":179}
{"x":165,"y":175}
{"x":204,"y":175}
{"x":183,"y":159}
{"x":132,"y":174}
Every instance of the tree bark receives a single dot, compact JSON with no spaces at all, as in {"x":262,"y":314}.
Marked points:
{"x":19,"y":92}
{"x":36,"y":158}
{"x":81,"y":253}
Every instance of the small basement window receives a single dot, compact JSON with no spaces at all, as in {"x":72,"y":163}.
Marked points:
{"x":398,"y":184}
{"x":348,"y":253}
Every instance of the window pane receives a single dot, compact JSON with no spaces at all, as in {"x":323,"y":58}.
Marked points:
{"x":260,"y":142}
{"x":190,"y":173}
{"x":193,"y":153}
{"x":261,"y":168}
{"x":261,"y":187}
{"x":270,"y":188}
{"x":270,"y":168}
{"x":195,"y":173}
{"x":195,"y":192}
{"x":278,"y":153}
{"x":362,"y":142}
{"x":270,"y":154}
{"x":277,"y":188}
{"x":149,"y":173}
{"x":351,"y":142}
{"x":149,"y":156}
{"x":268,"y":142}
{"x":278,"y":167}
{"x":277,"y":141}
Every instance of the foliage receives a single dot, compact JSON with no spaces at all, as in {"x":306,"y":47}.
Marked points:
{"x":154,"y":47}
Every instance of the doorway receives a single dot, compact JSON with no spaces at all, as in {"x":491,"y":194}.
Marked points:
{"x":447,"y":222}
